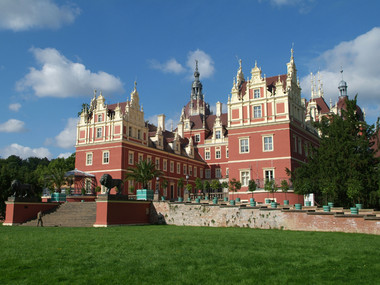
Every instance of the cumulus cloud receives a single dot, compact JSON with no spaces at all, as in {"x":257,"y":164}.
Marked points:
{"x":21,"y":15}
{"x":14,"y":107}
{"x":24,"y":151}
{"x":171,"y":66}
{"x":361,"y":64}
{"x":60,"y":77}
{"x":12,"y":126}
{"x":205,"y":64}
{"x":66,"y":138}
{"x":64,"y":155}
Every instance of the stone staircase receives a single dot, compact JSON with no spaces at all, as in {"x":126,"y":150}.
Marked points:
{"x":74,"y":214}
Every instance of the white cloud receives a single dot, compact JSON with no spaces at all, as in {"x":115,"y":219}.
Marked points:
{"x":171,"y":66}
{"x":14,"y":107}
{"x":21,"y":15}
{"x":361,"y":64}
{"x":66,"y":138}
{"x":12,"y":126}
{"x":64,"y":155}
{"x":60,"y":77}
{"x":24,"y":151}
{"x":205,"y":65}
{"x":304,"y":6}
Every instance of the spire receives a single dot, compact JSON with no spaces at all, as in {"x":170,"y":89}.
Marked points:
{"x":196,"y":87}
{"x":291,"y":66}
{"x":240,"y":75}
{"x":342,"y":85}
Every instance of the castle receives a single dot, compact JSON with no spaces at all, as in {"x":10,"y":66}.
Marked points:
{"x":267,"y":128}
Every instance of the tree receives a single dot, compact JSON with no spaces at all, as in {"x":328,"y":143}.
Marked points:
{"x":285,"y":187}
{"x":206,"y":186}
{"x":215,"y":184}
{"x":270,"y":186}
{"x":252,"y":186}
{"x":143,"y":172}
{"x":235,"y":185}
{"x":344,"y":157}
{"x":181,"y":183}
{"x":198,"y":183}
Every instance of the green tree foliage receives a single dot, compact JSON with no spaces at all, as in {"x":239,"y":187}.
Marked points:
{"x":198,"y":184}
{"x":206,"y":186}
{"x":181,"y":183}
{"x":32,"y":171}
{"x":252,"y":186}
{"x":270,"y":186}
{"x":143,"y":172}
{"x":215,"y":184}
{"x":284,"y":186}
{"x":343,"y":169}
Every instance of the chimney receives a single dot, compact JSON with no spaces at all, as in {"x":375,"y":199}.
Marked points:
{"x":218,"y":109}
{"x":161,"y":122}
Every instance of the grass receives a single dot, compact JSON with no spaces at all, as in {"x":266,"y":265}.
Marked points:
{"x":185,"y":255}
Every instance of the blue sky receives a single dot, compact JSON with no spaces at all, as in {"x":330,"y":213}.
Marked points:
{"x":53,"y":54}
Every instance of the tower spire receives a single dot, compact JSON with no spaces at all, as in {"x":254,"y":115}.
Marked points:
{"x":342,"y":85}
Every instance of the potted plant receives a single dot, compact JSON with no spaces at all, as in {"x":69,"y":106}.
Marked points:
{"x":215,"y":185}
{"x":180,"y":184}
{"x":143,"y":172}
{"x":164,"y":184}
{"x":225,"y":185}
{"x":285,"y":189}
{"x":354,"y":192}
{"x":251,"y":188}
{"x":234,"y":186}
{"x":271,"y":186}
{"x":189,"y":188}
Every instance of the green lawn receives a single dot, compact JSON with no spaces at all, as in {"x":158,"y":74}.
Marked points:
{"x":185,"y":255}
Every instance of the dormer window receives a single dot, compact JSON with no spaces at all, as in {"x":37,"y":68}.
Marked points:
{"x":217,"y":134}
{"x":100,"y":118}
{"x":197,"y":138}
{"x":256,"y":93}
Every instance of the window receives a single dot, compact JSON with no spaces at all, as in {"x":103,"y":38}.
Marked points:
{"x":141,"y":157}
{"x":218,"y":173}
{"x":217,"y":134}
{"x":100,"y":118}
{"x":139,"y":134}
{"x":178,"y":168}
{"x":184,"y":169}
{"x":130,"y":131}
{"x":244,"y":177}
{"x":201,"y":173}
{"x":227,"y":172}
{"x":171,"y":166}
{"x":268,"y":143}
{"x":106,"y":157}
{"x":89,"y":158}
{"x":269,"y":174}
{"x":149,"y":159}
{"x":217,"y":154}
{"x":227,"y":153}
{"x":244,"y":147}
{"x":165,"y":165}
{"x":295,"y":143}
{"x":195,"y":171}
{"x":130,"y":158}
{"x":299,"y":146}
{"x":197,"y":138}
{"x":256,"y":93}
{"x":306,"y":147}
{"x":190,"y":171}
{"x":207,"y":173}
{"x":157,"y":163}
{"x":207,"y":154}
{"x":98,"y":132}
{"x":257,"y":111}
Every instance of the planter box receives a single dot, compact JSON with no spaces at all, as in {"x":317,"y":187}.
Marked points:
{"x":144,"y":194}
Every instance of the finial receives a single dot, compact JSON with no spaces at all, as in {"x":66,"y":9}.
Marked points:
{"x":94,"y":92}
{"x":135,"y":85}
{"x":196,"y":65}
{"x":292,"y":51}
{"x":255,"y":63}
{"x":240,"y":63}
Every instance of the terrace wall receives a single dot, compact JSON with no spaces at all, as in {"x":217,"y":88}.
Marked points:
{"x":191,"y":214}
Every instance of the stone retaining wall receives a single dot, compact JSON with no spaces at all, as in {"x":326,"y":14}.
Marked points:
{"x":191,"y":214}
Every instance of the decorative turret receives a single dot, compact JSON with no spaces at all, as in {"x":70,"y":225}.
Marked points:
{"x":291,"y":66}
{"x":196,"y":87}
{"x":342,"y":86}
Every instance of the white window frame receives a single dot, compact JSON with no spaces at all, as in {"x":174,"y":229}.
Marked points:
{"x":218,"y":134}
{"x":165,"y":165}
{"x":190,"y":170}
{"x":245,"y":176}
{"x":178,"y":168}
{"x":131,"y":157}
{"x":197,"y":138}
{"x":257,"y":112}
{"x":89,"y":158}
{"x":244,"y":148}
{"x":256,"y":93}
{"x":218,"y":173}
{"x":299,"y":146}
{"x":268,"y":174}
{"x":157,"y":163}
{"x":106,"y":157}
{"x":207,"y":154}
{"x":141,"y":157}
{"x":208,"y":173}
{"x":218,"y":154}
{"x":172,"y":166}
{"x":98,"y":132}
{"x":100,"y":118}
{"x":184,"y":169}
{"x":268,"y":145}
{"x":227,"y":152}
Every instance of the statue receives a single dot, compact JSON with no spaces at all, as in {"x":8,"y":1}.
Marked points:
{"x":21,"y":190}
{"x":107,"y":181}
